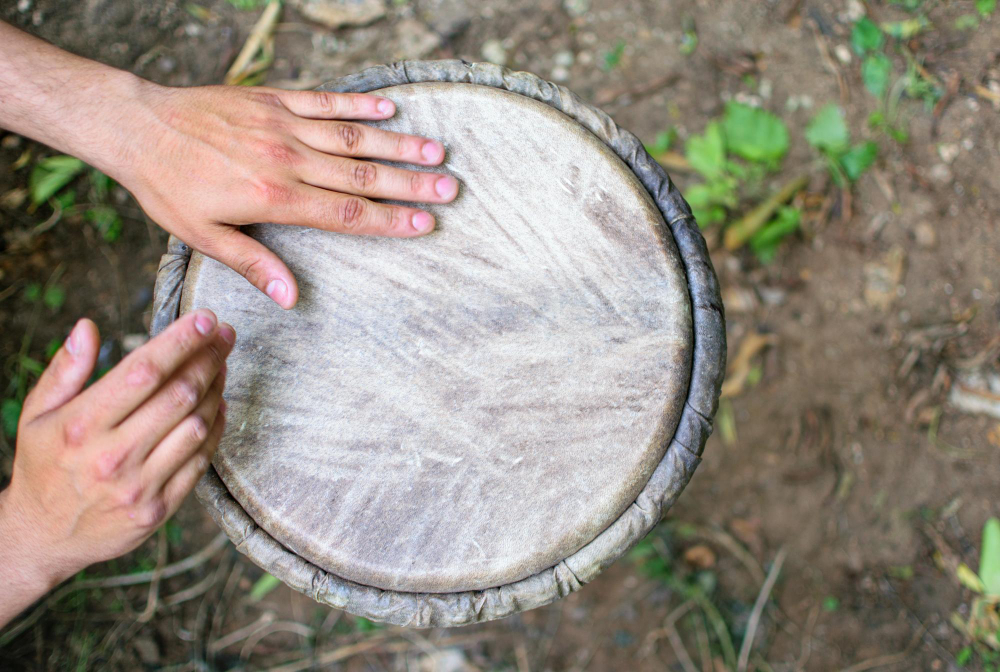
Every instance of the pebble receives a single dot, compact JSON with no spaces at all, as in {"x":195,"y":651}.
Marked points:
{"x":843,"y":53}
{"x":940,"y":173}
{"x":576,"y":7}
{"x":560,"y":74}
{"x":494,"y":52}
{"x":948,"y":151}
{"x":855,"y":10}
{"x":563,"y":59}
{"x":23,"y":6}
{"x":925,"y":235}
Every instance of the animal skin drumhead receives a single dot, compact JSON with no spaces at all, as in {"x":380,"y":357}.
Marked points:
{"x":466,"y":409}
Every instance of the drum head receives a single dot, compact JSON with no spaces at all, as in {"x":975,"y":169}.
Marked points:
{"x":463,"y":410}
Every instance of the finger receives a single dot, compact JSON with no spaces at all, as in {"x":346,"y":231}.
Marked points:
{"x":66,"y":374}
{"x":377,"y":181}
{"x":182,"y":482}
{"x":127,"y":386}
{"x":332,"y":211}
{"x":344,"y":138}
{"x":177,"y":398}
{"x":184,"y":440}
{"x":260,"y":266}
{"x":329,"y":105}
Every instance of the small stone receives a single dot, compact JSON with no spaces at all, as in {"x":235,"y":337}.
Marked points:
{"x":739,"y":300}
{"x":37,"y":17}
{"x":576,"y":7}
{"x":585,"y":58}
{"x":23,"y":6}
{"x":855,"y":10}
{"x":14,"y":199}
{"x":968,"y":145}
{"x":11,"y":141}
{"x":560,"y":74}
{"x":338,"y":13}
{"x":494,"y":52}
{"x":940,"y":173}
{"x":414,"y":40}
{"x":563,"y":59}
{"x":166,"y":64}
{"x":948,"y":151}
{"x":843,"y":54}
{"x":925,"y":235}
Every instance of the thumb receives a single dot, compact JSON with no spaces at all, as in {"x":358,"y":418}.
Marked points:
{"x":259,"y":265}
{"x":67,"y":373}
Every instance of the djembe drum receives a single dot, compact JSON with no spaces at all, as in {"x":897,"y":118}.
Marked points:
{"x":454,"y":428}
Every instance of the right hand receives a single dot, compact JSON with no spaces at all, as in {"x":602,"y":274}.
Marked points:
{"x":96,"y":471}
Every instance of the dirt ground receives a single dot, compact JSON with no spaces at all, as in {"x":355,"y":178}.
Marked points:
{"x":842,"y":452}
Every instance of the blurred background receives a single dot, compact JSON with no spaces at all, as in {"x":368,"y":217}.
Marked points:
{"x":844,"y":160}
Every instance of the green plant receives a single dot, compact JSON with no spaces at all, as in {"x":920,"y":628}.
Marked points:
{"x":52,"y":174}
{"x":986,"y":7}
{"x":612,"y":58}
{"x":264,"y":585}
{"x":828,"y":133}
{"x":983,"y":623}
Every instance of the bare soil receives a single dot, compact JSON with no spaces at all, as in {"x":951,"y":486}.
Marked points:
{"x":846,"y":453}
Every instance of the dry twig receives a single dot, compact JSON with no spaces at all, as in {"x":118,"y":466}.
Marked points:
{"x":758,"y":610}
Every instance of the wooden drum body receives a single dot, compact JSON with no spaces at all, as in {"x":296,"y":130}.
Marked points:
{"x":451,"y":429}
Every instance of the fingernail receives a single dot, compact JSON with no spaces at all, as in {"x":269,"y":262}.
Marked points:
{"x":277,"y":290}
{"x":204,"y":322}
{"x":228,"y":334}
{"x":446,"y":187}
{"x":432,"y":151}
{"x":385,"y":107}
{"x":422,"y":222}
{"x":73,"y":341}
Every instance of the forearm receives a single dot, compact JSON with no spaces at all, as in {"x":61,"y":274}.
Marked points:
{"x":65,"y":101}
{"x":23,"y":577}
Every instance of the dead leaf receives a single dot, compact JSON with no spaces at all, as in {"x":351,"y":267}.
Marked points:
{"x":739,"y":368}
{"x":700,"y":556}
{"x":882,"y":280}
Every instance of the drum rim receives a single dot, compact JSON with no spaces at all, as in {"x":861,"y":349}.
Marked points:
{"x":683,"y":453}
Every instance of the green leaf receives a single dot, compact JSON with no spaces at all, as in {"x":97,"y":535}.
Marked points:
{"x":908,"y":29}
{"x":107,"y":220}
{"x":707,"y":153}
{"x":52,"y":174}
{"x":10,"y":413}
{"x":362,"y":624}
{"x":827,"y":131}
{"x":101,"y":184}
{"x":664,"y":141}
{"x":754,"y":134}
{"x":52,"y":348}
{"x":989,"y":557}
{"x":876,"y":70}
{"x":963,"y":656}
{"x":986,"y":7}
{"x":967,"y":22}
{"x":613,"y":57}
{"x":66,"y":199}
{"x":32,"y":365}
{"x":765,"y":242}
{"x":969,"y":579}
{"x":830,"y":603}
{"x":32,"y":292}
{"x":262,"y":587}
{"x":54,"y":298}
{"x":859,"y":159}
{"x":866,"y":36}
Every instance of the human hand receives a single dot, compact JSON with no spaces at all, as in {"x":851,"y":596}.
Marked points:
{"x":202,"y":161}
{"x":96,"y":471}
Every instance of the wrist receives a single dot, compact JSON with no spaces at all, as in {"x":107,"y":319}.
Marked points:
{"x":26,"y":567}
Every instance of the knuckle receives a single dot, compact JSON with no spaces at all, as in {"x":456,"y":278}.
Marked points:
{"x":417,"y":181}
{"x":130,"y":494}
{"x":246,"y":265}
{"x":75,"y":432}
{"x":267,"y":98}
{"x":144,"y":372}
{"x":351,"y":213}
{"x":277,"y":152}
{"x":327,"y":102}
{"x":151,"y":514}
{"x":108,"y":463}
{"x":363,"y":176}
{"x":184,"y":394}
{"x":268,"y":191}
{"x":349,"y":136}
{"x":197,"y":428}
